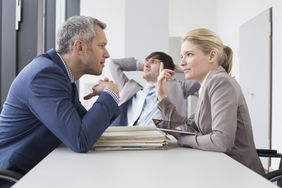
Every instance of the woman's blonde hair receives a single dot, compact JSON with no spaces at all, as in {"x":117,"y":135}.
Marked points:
{"x":207,"y":41}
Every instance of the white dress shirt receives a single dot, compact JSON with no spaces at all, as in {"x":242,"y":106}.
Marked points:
{"x":143,"y":107}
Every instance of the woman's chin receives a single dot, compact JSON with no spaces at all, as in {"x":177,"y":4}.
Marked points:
{"x":188,"y":77}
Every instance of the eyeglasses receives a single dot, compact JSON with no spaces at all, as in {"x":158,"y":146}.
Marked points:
{"x":152,"y":61}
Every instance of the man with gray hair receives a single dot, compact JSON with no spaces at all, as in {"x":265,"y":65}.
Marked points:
{"x":42,"y":109}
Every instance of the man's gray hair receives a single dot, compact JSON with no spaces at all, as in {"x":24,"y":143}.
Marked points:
{"x":77,"y":27}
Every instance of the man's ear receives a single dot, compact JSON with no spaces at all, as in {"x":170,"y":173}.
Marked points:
{"x":79,"y":46}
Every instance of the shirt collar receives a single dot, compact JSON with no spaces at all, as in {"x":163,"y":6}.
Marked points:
{"x":150,"y":85}
{"x":68,"y":70}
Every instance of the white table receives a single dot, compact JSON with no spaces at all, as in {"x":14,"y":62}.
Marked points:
{"x":174,"y":168}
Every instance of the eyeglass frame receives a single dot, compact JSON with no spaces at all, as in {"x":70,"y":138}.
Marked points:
{"x":152,"y":61}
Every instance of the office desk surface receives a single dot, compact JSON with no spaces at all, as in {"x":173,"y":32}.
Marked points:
{"x":175,"y":167}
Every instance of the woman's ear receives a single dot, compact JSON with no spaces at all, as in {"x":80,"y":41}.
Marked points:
{"x":213,"y":56}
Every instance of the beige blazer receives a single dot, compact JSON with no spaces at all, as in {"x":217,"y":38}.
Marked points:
{"x":222,"y":119}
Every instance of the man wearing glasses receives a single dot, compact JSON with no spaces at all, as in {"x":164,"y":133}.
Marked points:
{"x":139,"y":104}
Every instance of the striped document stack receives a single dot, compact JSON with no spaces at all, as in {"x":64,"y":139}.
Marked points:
{"x":132,"y":138}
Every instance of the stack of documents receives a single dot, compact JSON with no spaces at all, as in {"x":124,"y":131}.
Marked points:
{"x":132,"y":138}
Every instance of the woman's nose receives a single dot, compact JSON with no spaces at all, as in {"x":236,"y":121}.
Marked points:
{"x":182,"y":62}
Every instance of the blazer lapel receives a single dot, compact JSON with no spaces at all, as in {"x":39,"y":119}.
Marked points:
{"x":129,"y":90}
{"x":198,"y":111}
{"x":200,"y":103}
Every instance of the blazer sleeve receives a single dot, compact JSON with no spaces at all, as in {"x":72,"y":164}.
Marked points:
{"x":50,"y":100}
{"x":170,"y":113}
{"x":117,"y":68}
{"x":189,"y":87}
{"x":223,"y":118}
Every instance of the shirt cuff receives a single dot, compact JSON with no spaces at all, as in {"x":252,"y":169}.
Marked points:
{"x":110,"y":92}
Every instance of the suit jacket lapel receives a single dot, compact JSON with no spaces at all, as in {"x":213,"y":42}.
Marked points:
{"x":56,"y":59}
{"x":52,"y":54}
{"x":129,"y":90}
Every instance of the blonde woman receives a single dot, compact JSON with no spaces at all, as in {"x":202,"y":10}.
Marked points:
{"x":221,"y":116}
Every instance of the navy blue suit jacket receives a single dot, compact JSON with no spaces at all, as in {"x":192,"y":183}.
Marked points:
{"x":42,"y":110}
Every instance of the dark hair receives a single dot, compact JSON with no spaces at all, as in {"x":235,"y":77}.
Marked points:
{"x":163,"y":57}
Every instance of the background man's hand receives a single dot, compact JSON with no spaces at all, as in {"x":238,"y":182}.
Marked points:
{"x":164,"y":76}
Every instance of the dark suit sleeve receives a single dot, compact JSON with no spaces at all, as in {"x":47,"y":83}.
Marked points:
{"x":51,"y":100}
{"x":79,"y":107}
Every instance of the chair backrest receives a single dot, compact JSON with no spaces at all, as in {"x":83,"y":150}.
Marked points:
{"x":276,"y":175}
{"x":8,"y":178}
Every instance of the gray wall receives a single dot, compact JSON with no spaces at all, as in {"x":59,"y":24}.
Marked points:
{"x":146,"y":30}
{"x":146,"y":27}
{"x":27,"y":34}
{"x":35,"y":35}
{"x":72,"y":8}
{"x":8,"y":47}
{"x":50,"y":28}
{"x":0,"y":44}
